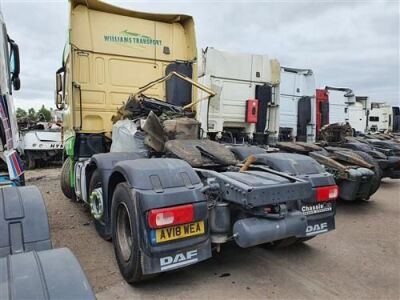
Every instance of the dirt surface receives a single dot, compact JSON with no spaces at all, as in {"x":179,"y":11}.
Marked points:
{"x":360,"y":259}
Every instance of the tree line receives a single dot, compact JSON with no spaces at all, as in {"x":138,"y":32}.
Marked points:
{"x":42,"y":115}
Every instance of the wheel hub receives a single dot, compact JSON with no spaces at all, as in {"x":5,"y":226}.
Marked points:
{"x":96,"y":203}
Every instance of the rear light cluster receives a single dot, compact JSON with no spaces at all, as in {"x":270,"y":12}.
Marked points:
{"x":327,"y":193}
{"x":169,"y":216}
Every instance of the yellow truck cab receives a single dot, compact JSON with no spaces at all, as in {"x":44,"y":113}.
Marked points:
{"x":110,"y":53}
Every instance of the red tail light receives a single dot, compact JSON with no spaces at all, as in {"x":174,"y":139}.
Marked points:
{"x":327,"y":193}
{"x":163,"y":217}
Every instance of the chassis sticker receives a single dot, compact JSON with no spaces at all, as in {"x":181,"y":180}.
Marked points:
{"x":316,"y":208}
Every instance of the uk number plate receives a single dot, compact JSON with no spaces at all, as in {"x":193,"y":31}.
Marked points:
{"x":179,"y":232}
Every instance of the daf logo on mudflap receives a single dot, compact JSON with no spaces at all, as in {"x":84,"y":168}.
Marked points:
{"x":179,"y":260}
{"x":317,"y":228}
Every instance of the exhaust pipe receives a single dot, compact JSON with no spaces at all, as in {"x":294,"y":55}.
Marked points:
{"x":255,"y":231}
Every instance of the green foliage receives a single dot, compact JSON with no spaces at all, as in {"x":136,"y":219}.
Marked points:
{"x":21,"y":113}
{"x":32,"y":114}
{"x":42,"y":115}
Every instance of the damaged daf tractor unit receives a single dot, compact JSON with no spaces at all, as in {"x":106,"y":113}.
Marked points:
{"x":162,"y":193}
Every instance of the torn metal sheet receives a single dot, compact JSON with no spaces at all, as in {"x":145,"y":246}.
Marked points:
{"x":200,"y":152}
{"x":156,"y":136}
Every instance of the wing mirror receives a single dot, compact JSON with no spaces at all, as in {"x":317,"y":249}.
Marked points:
{"x":60,"y":80}
{"x":14,"y":65}
{"x":60,"y":92}
{"x":59,"y":101}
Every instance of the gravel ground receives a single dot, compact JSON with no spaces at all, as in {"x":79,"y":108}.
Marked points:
{"x":360,"y":259}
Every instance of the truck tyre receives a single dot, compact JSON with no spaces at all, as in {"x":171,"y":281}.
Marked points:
{"x":95,"y":183}
{"x":124,"y":234}
{"x":65,"y":182}
{"x":376,"y":179}
{"x":30,"y":160}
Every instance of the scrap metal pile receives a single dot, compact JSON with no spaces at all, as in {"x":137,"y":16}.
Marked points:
{"x":357,"y":162}
{"x":172,"y":131}
{"x":381,"y":148}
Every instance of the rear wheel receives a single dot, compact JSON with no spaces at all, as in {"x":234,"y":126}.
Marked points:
{"x":376,"y":179}
{"x":124,"y":234}
{"x":65,"y":181}
{"x":97,"y":204}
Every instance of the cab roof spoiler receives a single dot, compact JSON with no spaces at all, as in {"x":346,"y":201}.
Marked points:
{"x":108,"y":8}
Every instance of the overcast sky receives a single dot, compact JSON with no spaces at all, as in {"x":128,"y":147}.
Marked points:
{"x":347,"y":43}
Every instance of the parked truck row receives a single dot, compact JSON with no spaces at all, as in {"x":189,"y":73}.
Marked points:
{"x":330,"y":105}
{"x":174,"y":193}
{"x":177,"y":153}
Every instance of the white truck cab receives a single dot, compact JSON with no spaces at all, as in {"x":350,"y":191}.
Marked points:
{"x":247,"y":100}
{"x":297,"y":112}
{"x":345,"y":107}
{"x":380,"y":117}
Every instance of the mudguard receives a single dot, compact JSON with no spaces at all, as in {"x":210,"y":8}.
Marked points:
{"x":158,"y":174}
{"x":291,"y":163}
{"x":243,"y":152}
{"x":393,"y":167}
{"x":164,"y":182}
{"x":50,"y":274}
{"x":24,"y":224}
{"x":358,"y":186}
{"x":105,"y":162}
{"x":390,"y":166}
{"x":298,"y":165}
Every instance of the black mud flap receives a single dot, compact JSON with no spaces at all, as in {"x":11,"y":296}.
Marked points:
{"x":160,"y":183}
{"x":320,"y":217}
{"x":319,"y":224}
{"x":176,"y":259}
